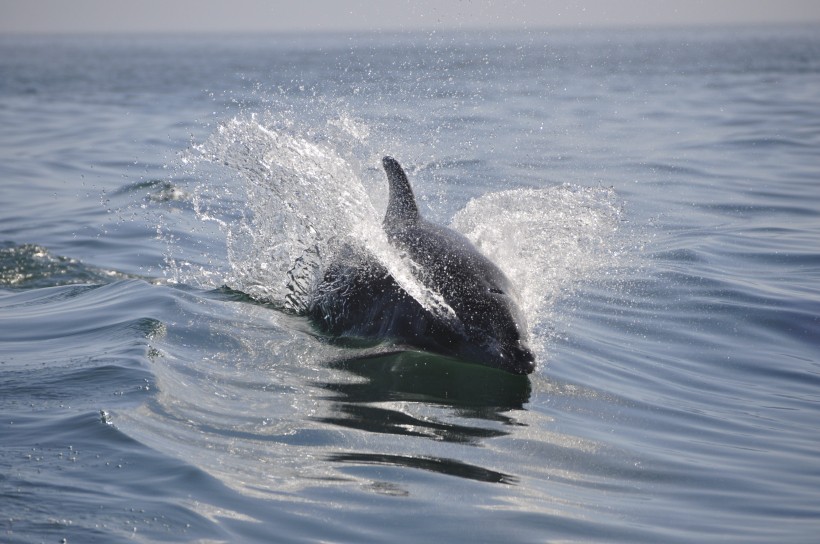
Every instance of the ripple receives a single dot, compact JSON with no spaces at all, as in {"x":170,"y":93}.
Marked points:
{"x":30,"y":266}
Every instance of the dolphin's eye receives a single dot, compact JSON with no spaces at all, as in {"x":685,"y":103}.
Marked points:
{"x":496,"y":290}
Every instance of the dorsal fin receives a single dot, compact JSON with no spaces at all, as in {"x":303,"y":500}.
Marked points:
{"x":401,"y":205}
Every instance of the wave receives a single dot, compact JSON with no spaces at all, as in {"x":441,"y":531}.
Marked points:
{"x":31,"y":266}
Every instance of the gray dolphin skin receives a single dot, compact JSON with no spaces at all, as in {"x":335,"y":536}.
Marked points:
{"x":358,"y":299}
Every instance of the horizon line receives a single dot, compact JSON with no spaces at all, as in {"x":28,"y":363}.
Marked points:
{"x":470,"y":28}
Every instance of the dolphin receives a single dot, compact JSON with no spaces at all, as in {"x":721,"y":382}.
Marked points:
{"x":357,"y":299}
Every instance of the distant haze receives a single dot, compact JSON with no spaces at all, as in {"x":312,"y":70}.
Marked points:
{"x":118,"y":16}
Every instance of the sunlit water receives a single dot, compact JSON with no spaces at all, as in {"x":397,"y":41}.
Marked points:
{"x":167,"y":204}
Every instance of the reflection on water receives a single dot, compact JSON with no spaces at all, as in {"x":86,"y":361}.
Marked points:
{"x":382,"y":420}
{"x":450,"y":467}
{"x":403,"y":393}
{"x":415,"y":376}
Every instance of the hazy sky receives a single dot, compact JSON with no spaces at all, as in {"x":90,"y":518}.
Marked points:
{"x":334,"y":15}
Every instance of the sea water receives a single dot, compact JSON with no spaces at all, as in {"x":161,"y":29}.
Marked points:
{"x":167,"y":202}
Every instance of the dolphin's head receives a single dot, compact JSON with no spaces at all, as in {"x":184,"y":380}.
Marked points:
{"x":495,"y":332}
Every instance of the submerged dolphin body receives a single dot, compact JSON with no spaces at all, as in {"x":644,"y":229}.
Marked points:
{"x":358,"y":298}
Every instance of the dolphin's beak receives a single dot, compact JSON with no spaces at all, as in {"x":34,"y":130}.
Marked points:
{"x":524,"y":360}
{"x":517,"y":360}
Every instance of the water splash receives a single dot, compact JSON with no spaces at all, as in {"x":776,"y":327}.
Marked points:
{"x":304,"y":201}
{"x":547,"y":241}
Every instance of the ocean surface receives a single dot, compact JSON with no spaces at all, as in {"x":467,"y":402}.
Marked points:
{"x":165,"y":202}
